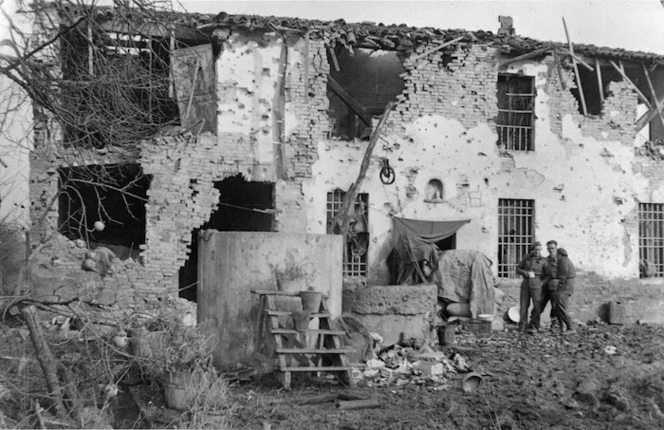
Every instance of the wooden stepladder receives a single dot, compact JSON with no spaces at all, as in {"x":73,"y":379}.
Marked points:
{"x":291,"y":345}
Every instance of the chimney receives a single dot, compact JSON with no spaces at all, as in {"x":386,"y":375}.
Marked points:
{"x":506,"y":28}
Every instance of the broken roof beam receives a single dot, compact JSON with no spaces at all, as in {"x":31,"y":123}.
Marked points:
{"x":437,"y":48}
{"x":582,"y":97}
{"x":650,"y":115}
{"x":600,"y":86}
{"x":349,"y":100}
{"x":624,"y":76}
{"x":657,"y":107}
{"x":527,"y":56}
{"x":577,"y":58}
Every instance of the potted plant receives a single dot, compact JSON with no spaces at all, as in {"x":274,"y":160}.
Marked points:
{"x":311,"y":300}
{"x":291,"y":276}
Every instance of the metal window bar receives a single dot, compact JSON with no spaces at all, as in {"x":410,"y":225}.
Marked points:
{"x":354,"y":265}
{"x":515,"y":113}
{"x":515,"y":233}
{"x":651,"y":237}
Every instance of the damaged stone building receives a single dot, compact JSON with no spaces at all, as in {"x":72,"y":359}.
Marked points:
{"x":515,"y":139}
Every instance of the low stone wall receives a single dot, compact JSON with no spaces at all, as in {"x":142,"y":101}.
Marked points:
{"x":642,"y":299}
{"x":391,"y":310}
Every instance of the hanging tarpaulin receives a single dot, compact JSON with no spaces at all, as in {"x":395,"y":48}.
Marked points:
{"x":414,"y":241}
{"x":194,"y":81}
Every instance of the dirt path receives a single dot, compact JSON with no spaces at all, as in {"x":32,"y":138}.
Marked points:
{"x":529,"y":382}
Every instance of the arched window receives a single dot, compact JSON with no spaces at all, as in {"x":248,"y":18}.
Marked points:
{"x":434,"y":191}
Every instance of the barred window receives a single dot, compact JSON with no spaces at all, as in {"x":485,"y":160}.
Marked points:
{"x":357,"y":246}
{"x":651,"y":240}
{"x":516,"y":221}
{"x":516,"y":112}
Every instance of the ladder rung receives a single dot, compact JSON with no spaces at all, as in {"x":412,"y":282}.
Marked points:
{"x":312,"y":351}
{"x":284,"y":313}
{"x":316,"y":331}
{"x":315,"y":369}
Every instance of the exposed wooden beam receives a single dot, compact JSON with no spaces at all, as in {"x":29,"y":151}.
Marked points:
{"x":335,"y":62}
{"x":600,"y":86}
{"x":525,"y":56}
{"x":578,"y":59}
{"x":437,"y":48}
{"x":576,"y":71}
{"x":349,"y":100}
{"x":559,"y":67}
{"x":649,"y":116}
{"x":653,"y":94}
{"x":624,"y":76}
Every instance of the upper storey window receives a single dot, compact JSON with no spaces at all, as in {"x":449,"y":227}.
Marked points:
{"x":516,"y":112}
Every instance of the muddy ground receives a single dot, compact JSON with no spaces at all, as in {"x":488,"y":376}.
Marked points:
{"x":529,"y":382}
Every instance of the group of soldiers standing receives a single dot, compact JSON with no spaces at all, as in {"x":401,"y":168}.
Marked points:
{"x":545,"y":280}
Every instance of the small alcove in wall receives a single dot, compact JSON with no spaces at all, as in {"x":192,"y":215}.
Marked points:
{"x":434,"y":191}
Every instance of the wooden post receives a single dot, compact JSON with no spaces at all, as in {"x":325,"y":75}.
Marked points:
{"x":653,"y":94}
{"x":349,"y":199}
{"x":648,"y":116}
{"x":278,"y":114}
{"x":335,"y":62}
{"x":576,"y":71}
{"x":624,"y":76}
{"x":46,"y":360}
{"x":559,"y":67}
{"x":599,"y":81}
{"x":193,"y":90}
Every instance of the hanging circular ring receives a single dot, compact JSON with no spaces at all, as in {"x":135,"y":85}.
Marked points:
{"x":387,"y":175}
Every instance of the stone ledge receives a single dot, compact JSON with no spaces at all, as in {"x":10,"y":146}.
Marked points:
{"x":390,"y":299}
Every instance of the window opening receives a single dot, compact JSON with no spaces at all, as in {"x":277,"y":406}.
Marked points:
{"x":357,"y":245}
{"x":516,"y":220}
{"x":651,"y":240}
{"x":591,"y":90}
{"x":516,"y":112}
{"x":243,"y":206}
{"x":114,"y":195}
{"x":366,"y":81}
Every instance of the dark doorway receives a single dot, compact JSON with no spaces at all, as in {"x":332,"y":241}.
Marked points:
{"x":447,"y":243}
{"x":243,"y":206}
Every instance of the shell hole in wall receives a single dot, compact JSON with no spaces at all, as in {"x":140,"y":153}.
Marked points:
{"x":434,"y":191}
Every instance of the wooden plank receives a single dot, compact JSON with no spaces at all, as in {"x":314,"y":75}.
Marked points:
{"x":599,"y":81}
{"x":279,"y":114}
{"x":434,"y":49}
{"x":653,"y":93}
{"x":559,"y":67}
{"x":525,"y":56}
{"x":349,"y":100}
{"x":317,"y":369}
{"x":648,"y":116}
{"x":312,"y":331}
{"x":275,"y":293}
{"x":576,"y":71}
{"x":335,"y":62}
{"x":624,"y":76}
{"x":313,"y":350}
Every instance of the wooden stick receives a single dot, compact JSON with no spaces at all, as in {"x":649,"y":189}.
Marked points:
{"x":599,"y":81}
{"x":525,"y":56}
{"x":559,"y":67}
{"x":193,"y":90}
{"x":578,"y":59}
{"x":576,"y":71}
{"x":624,"y":76}
{"x":357,"y":404}
{"x":437,"y":48}
{"x":45,"y":358}
{"x":653,"y":94}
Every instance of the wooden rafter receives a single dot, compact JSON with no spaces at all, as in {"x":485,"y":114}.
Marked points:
{"x":624,"y":76}
{"x":577,"y":58}
{"x":600,"y":86}
{"x":349,"y":100}
{"x":653,"y":94}
{"x":576,"y":71}
{"x":650,"y":115}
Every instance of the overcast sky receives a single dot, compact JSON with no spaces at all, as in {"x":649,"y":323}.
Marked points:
{"x":631,"y":24}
